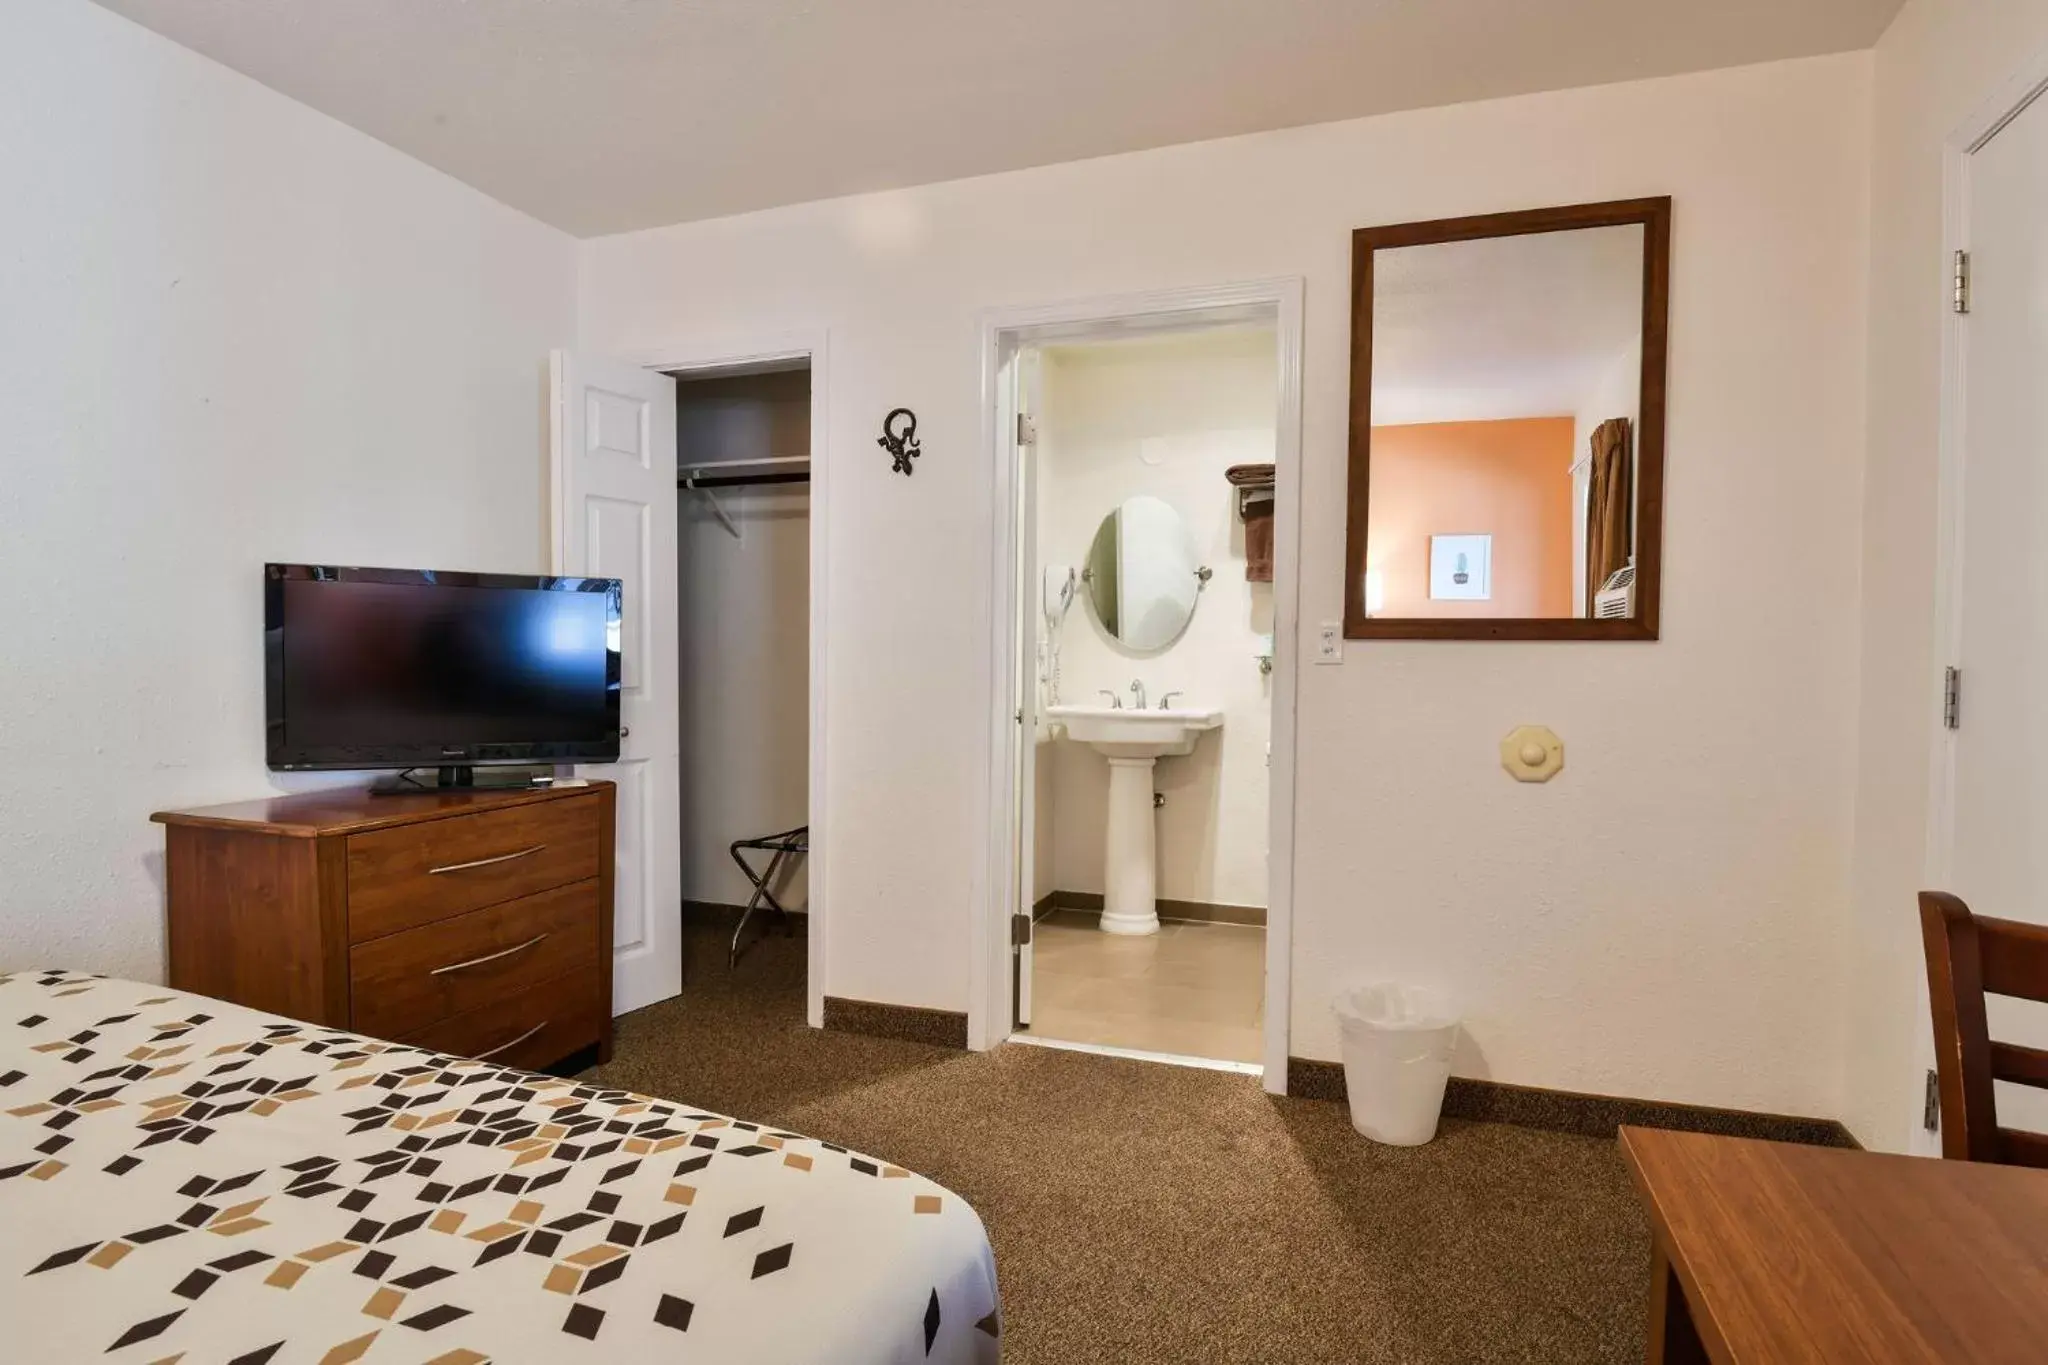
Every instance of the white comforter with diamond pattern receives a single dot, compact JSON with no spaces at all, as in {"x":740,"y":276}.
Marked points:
{"x":182,"y":1179}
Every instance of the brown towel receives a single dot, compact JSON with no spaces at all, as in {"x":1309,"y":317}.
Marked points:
{"x":1254,"y":483}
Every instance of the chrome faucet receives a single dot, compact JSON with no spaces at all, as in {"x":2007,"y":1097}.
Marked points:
{"x":1138,"y":691}
{"x":1166,"y":702}
{"x":1116,"y":703}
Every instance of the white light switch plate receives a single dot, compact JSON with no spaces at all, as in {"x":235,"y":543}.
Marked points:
{"x":1330,"y":643}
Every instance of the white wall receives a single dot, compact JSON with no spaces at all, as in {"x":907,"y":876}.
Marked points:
{"x":1663,"y":920}
{"x":1937,"y":63}
{"x":745,"y":627}
{"x":1164,"y":416}
{"x":230,"y":329}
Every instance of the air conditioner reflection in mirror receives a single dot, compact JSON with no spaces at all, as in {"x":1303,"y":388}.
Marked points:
{"x":1616,"y":599}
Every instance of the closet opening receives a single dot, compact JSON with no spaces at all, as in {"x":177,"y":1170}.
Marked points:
{"x":743,"y":578}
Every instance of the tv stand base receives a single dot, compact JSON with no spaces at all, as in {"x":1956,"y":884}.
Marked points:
{"x":463,"y":779}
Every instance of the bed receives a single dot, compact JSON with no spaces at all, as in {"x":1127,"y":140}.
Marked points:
{"x":186,"y":1180}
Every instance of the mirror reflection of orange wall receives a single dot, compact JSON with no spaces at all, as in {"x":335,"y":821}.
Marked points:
{"x":1510,"y":480}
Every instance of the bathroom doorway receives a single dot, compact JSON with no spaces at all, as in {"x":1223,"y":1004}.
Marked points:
{"x":1146,"y":809}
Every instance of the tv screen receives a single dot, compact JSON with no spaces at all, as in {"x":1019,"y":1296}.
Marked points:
{"x":407,"y":668}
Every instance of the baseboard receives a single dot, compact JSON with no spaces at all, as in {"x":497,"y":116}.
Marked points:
{"x":906,"y":1023}
{"x":1197,"y":912}
{"x":1566,"y":1111}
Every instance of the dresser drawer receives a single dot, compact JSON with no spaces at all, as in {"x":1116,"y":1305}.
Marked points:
{"x":531,"y":1028}
{"x":403,"y":982}
{"x":415,"y":874}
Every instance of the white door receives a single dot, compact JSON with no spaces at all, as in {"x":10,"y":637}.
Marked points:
{"x":1035,"y":635}
{"x":1999,"y":862}
{"x":614,"y":515}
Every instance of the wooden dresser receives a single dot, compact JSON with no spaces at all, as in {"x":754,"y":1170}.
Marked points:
{"x":477,"y":923}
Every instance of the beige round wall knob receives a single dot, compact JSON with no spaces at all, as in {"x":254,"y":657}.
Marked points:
{"x":1532,"y":753}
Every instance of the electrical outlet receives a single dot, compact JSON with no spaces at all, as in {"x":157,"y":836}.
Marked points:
{"x":1330,"y":643}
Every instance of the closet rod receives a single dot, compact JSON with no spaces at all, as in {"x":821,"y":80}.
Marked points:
{"x":742,"y":480}
{"x":773,"y":470}
{"x":761,"y":462}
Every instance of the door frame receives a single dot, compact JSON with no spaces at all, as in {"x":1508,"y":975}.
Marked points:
{"x":988,"y":1020}
{"x":2005,"y":103}
{"x":732,"y":353}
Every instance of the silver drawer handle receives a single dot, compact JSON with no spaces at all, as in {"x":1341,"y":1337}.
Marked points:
{"x":507,"y":1047}
{"x":487,"y":957}
{"x":486,"y":862}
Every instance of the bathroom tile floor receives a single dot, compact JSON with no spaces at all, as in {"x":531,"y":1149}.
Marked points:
{"x":1194,"y":989}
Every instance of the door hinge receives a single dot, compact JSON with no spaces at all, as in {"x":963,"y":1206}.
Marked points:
{"x":1962,"y":282}
{"x":1930,"y":1106}
{"x":1952,"y":698}
{"x":1020,"y":930}
{"x":1027,"y":429}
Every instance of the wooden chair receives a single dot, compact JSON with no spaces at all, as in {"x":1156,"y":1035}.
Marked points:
{"x":1968,"y":957}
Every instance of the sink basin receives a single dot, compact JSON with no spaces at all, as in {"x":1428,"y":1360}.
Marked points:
{"x":1131,"y":733}
{"x":1132,"y":740}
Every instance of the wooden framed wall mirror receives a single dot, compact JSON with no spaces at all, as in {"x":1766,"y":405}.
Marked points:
{"x":1507,"y":425}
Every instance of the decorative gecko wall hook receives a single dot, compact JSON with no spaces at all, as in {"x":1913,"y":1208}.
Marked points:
{"x":902,"y":446}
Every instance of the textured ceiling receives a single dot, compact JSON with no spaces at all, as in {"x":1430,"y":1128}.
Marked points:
{"x":605,"y":115}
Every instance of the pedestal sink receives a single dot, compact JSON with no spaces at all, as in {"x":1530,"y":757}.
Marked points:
{"x":1132,"y":740}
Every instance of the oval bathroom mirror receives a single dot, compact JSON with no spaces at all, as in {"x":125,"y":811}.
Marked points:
{"x":1144,"y":573}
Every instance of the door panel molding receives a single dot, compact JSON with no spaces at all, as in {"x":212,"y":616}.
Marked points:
{"x":613,"y":515}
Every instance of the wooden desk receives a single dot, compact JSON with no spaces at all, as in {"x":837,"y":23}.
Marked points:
{"x":1768,"y":1252}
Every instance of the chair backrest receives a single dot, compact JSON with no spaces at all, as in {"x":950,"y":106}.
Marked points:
{"x":1969,"y":957}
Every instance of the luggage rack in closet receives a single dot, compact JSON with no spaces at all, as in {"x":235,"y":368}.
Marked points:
{"x":780,"y":848}
{"x":702,"y":478}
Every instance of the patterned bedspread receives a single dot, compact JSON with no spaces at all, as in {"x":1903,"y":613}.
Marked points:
{"x":184,"y":1180}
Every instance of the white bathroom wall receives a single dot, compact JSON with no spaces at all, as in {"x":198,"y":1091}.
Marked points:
{"x":1165,"y":416}
{"x":1935,"y":66}
{"x":1663,"y":920}
{"x":1045,"y":822}
{"x":231,"y":330}
{"x":744,"y":607}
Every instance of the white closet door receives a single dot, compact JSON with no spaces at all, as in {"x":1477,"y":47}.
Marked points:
{"x":2000,"y":858}
{"x":614,"y":516}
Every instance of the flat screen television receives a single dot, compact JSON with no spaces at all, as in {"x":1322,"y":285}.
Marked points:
{"x":412,"y":668}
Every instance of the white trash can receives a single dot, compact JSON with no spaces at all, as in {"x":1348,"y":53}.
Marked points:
{"x":1397,"y":1043}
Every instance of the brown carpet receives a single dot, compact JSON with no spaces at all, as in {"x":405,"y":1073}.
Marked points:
{"x":1145,"y":1213}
